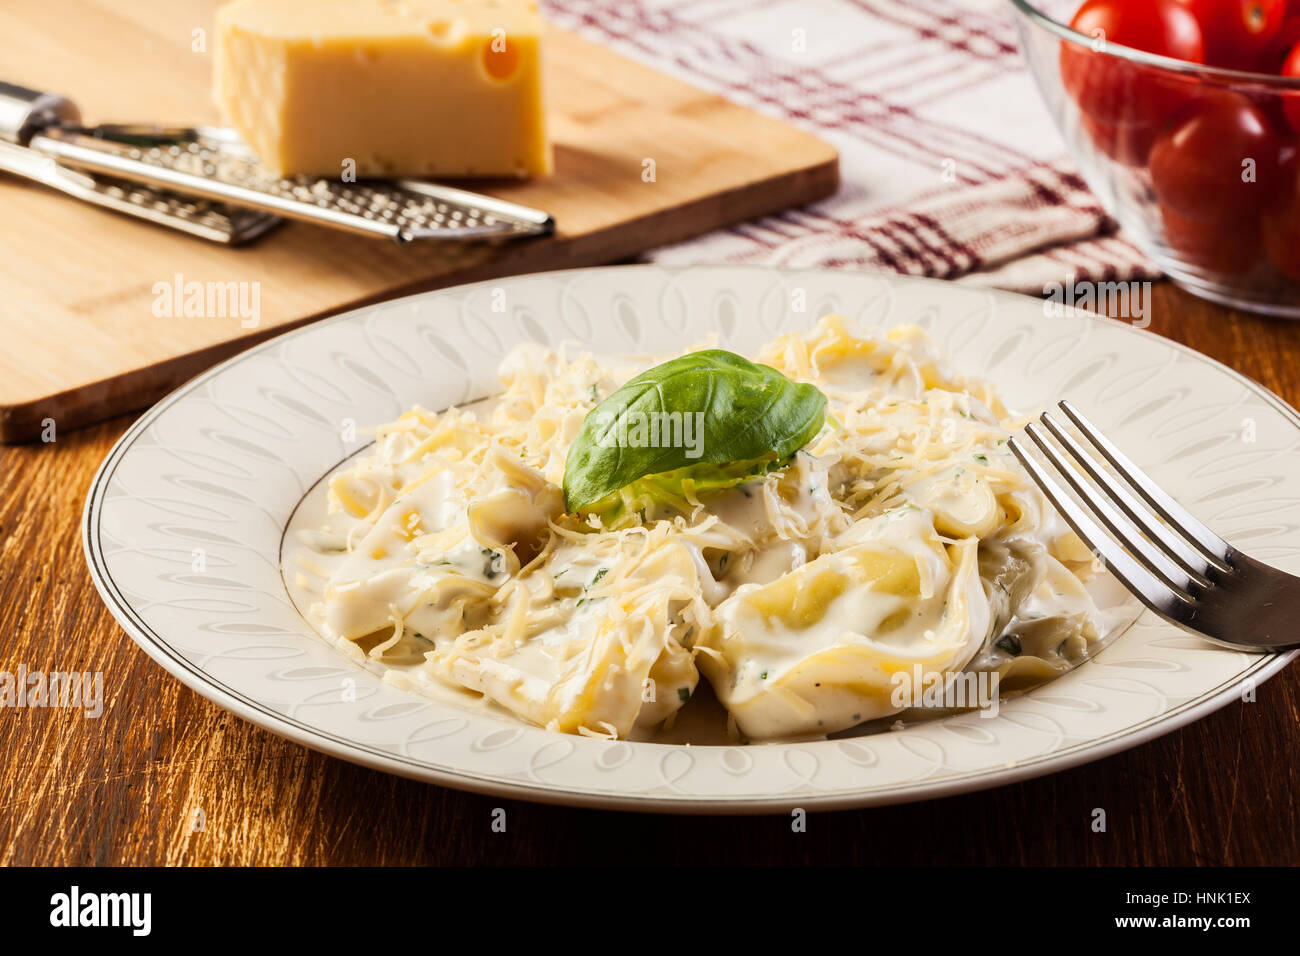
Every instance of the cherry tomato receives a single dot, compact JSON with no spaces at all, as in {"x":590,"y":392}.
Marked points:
{"x":1227,"y":251}
{"x":1238,"y":33}
{"x":1219,"y":164}
{"x":1283,"y":43}
{"x":1282,"y":223}
{"x":1291,"y":98}
{"x":1127,"y":143}
{"x":1272,"y":104}
{"x":1113,"y":90}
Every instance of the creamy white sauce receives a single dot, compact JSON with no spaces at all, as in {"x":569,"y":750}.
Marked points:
{"x":455,"y":588}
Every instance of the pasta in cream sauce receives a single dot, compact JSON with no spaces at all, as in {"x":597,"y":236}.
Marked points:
{"x":904,"y":535}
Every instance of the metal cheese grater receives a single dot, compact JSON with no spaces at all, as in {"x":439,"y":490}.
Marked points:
{"x":205,"y":181}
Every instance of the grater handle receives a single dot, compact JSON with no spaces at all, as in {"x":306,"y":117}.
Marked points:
{"x":213,"y":222}
{"x":24,"y":112}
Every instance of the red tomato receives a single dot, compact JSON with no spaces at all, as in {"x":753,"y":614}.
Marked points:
{"x":1291,"y":98}
{"x":1210,"y":246}
{"x":1238,"y":33}
{"x":1113,"y":90}
{"x":1282,"y":224}
{"x":1273,"y":105}
{"x":1126,"y":143}
{"x":1283,"y":43}
{"x":1219,"y":164}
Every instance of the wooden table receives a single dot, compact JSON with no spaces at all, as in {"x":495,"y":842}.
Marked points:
{"x":124,"y":789}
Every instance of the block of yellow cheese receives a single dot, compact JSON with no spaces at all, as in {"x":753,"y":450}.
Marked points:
{"x":440,"y":88}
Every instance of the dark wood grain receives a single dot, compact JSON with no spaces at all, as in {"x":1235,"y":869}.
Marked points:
{"x":124,"y":789}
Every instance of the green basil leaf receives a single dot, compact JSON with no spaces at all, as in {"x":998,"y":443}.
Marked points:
{"x":705,"y":408}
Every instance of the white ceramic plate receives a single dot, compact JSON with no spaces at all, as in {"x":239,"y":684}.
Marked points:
{"x":220,"y":465}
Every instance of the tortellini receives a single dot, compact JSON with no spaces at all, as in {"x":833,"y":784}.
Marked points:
{"x":904,"y":536}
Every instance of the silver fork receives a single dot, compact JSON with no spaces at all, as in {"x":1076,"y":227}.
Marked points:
{"x":1177,"y":567}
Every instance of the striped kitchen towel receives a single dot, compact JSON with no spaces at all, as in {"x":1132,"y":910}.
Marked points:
{"x":951,"y":165}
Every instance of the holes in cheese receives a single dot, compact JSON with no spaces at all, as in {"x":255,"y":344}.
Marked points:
{"x":500,"y":59}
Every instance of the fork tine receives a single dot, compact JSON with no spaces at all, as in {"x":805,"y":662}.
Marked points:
{"x":1178,"y":517}
{"x":1153,"y":592}
{"x":1120,"y":527}
{"x":1151,"y":526}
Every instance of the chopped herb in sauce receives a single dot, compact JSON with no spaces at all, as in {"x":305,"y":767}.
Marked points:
{"x":596,"y":578}
{"x":1009,"y":643}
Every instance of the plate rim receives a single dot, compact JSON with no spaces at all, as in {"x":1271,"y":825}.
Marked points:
{"x":307,"y":735}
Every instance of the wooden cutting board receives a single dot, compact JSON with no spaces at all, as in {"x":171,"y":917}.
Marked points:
{"x":81,"y":340}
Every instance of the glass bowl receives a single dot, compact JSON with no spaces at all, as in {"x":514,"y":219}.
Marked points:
{"x":1197,"y":164}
